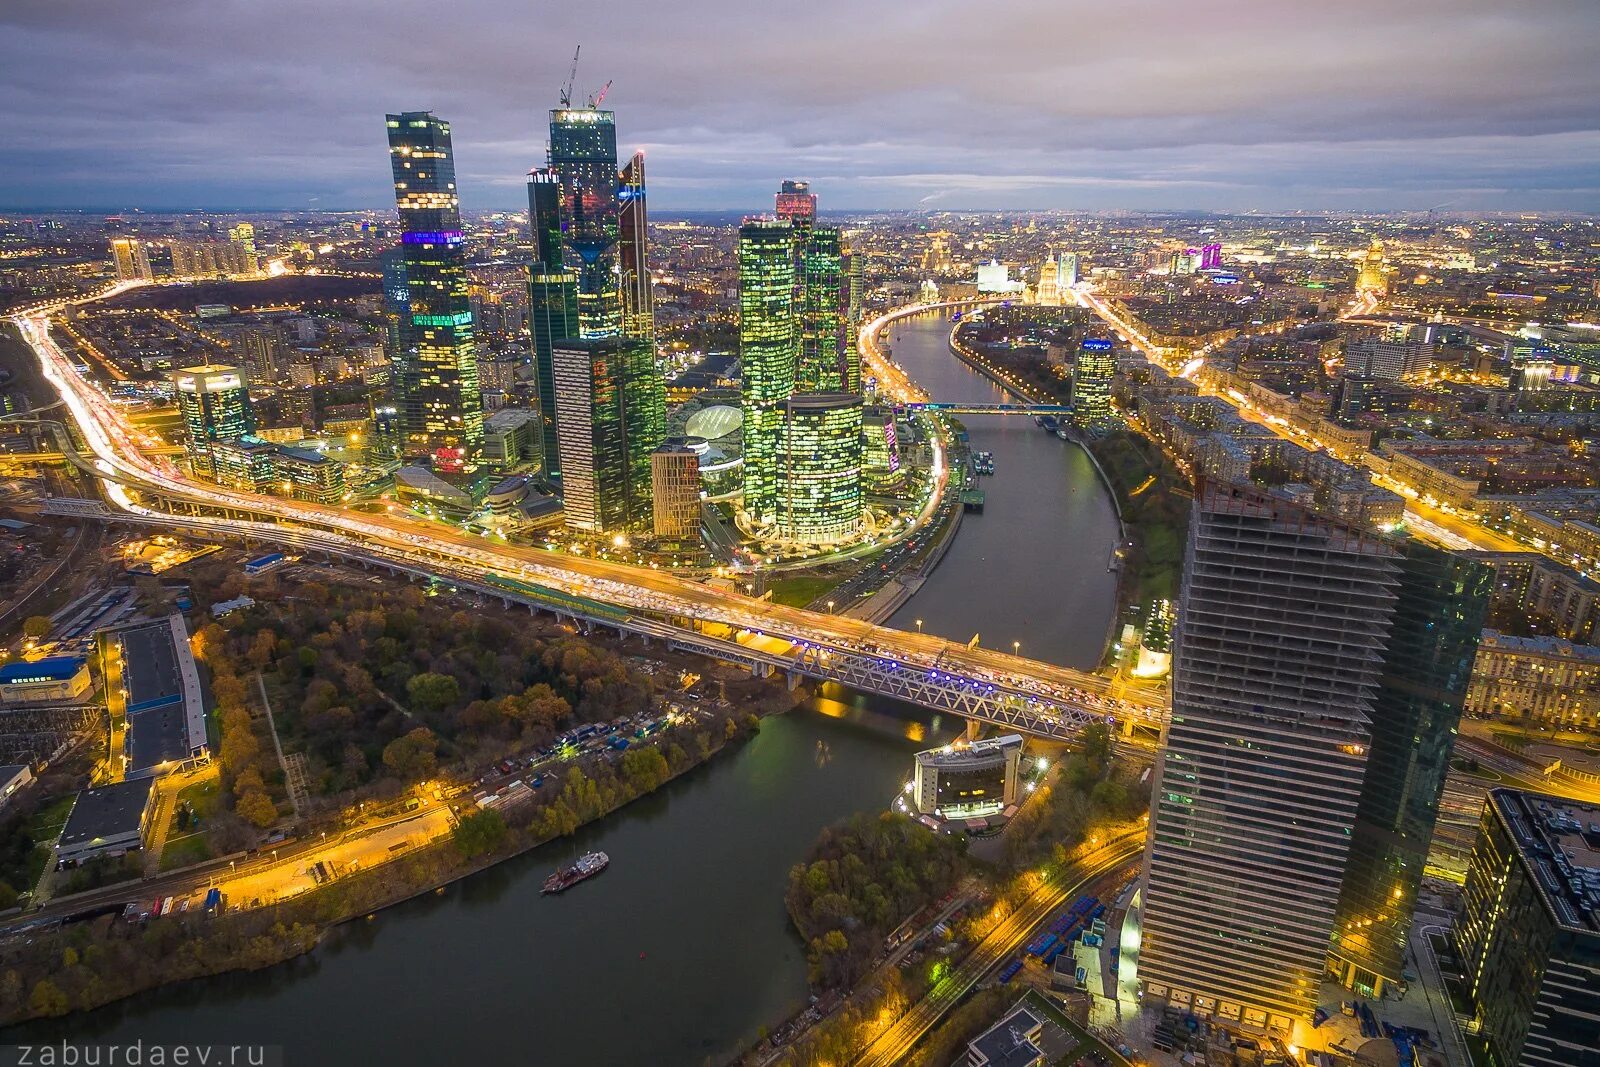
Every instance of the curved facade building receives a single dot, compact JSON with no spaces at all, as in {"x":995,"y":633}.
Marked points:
{"x":818,"y":488}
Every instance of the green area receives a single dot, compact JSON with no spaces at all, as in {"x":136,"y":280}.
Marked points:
{"x":184,"y":851}
{"x":798,"y":590}
{"x":26,"y":837}
{"x":1156,"y":513}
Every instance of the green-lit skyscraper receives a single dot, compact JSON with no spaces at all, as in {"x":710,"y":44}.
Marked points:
{"x":821,"y":296}
{"x":767,"y":350}
{"x":215,"y":404}
{"x":1091,"y":385}
{"x":1440,"y":604}
{"x":575,"y":288}
{"x":441,"y":409}
{"x":819,"y":468}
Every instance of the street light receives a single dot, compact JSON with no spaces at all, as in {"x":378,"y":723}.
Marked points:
{"x":830,"y":607}
{"x":1016,"y":647}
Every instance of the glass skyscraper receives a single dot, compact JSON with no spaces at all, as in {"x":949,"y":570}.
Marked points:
{"x":576,"y":207}
{"x":767,"y":349}
{"x":819,"y":469}
{"x":441,"y":409}
{"x":1427,"y":663}
{"x":214,"y":402}
{"x":589,"y":408}
{"x":1091,"y":384}
{"x":638,"y":310}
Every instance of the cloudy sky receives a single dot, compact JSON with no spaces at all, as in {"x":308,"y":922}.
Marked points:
{"x":1228,"y":104}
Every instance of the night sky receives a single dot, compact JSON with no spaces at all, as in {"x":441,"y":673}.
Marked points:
{"x":1224,"y":104}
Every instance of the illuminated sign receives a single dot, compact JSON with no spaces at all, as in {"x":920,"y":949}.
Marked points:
{"x":460,"y":318}
{"x":434,"y":237}
{"x":1095,"y":344}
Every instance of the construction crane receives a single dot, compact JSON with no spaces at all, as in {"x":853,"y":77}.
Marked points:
{"x":572,"y":76}
{"x":594,"y":101}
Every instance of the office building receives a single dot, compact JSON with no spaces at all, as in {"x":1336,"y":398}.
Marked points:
{"x":594,"y":462}
{"x":397,"y":338}
{"x":1441,"y":600}
{"x":306,"y":474}
{"x":441,"y":409}
{"x":1528,"y":931}
{"x":248,"y":463}
{"x":214,"y":402}
{"x":1281,"y":623}
{"x":818,"y":489}
{"x":638,"y":311}
{"x":675,"y":491}
{"x":1091,"y":385}
{"x":552,"y":305}
{"x":130,"y":260}
{"x":768,"y":344}
{"x":510,"y":437}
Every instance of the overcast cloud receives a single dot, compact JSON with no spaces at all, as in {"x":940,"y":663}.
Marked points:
{"x":1230,"y":104}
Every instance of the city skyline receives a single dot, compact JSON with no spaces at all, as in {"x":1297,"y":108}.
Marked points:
{"x":1232,"y":108}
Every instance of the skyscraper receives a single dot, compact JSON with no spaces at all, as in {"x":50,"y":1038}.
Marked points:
{"x":214,"y":402}
{"x":821,"y":296}
{"x":1427,"y":663}
{"x":638,"y":311}
{"x":441,"y":409}
{"x":675,"y":490}
{"x":1091,"y":384}
{"x":130,"y":260}
{"x":767,"y":350}
{"x":578,"y":285}
{"x":1282,"y":621}
{"x":819,"y":468}
{"x":588,"y":384}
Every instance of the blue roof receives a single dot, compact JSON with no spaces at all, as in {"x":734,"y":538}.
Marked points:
{"x":53,"y":668}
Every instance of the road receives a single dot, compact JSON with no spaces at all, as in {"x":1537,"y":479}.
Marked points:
{"x":1005,"y":940}
{"x":1434,"y":524}
{"x":121,"y":457}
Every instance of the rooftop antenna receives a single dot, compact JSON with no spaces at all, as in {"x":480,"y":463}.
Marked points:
{"x":572,"y":76}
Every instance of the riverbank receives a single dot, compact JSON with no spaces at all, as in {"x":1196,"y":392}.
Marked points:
{"x":86,"y":965}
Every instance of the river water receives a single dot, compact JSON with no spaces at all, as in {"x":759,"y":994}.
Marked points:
{"x":682,"y":949}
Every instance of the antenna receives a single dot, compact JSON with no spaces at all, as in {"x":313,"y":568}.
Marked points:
{"x":594,"y":101}
{"x":572,"y":76}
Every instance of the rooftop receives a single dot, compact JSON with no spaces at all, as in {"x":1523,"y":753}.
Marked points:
{"x":1543,"y":645}
{"x":49,"y":669}
{"x":988,"y":748}
{"x":107,"y":812}
{"x":1558,"y":840}
{"x":1006,"y":1043}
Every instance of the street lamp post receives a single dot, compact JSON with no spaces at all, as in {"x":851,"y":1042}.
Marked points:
{"x":830,"y":607}
{"x":919,"y":626}
{"x":1016,"y":647}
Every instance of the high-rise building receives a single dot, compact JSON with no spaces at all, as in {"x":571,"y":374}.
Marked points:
{"x":822,"y":364}
{"x":638,"y":309}
{"x":441,"y":408}
{"x":767,"y":349}
{"x":1281,"y":624}
{"x":214,"y":402}
{"x":1091,"y":384}
{"x":675,"y":490}
{"x":602,"y":489}
{"x":1441,"y":600}
{"x":130,"y":260}
{"x":208,"y":259}
{"x":397,"y":340}
{"x":579,"y":289}
{"x":818,"y":490}
{"x":1528,"y":932}
{"x":1069,"y":265}
{"x":797,"y":203}
{"x":1371,"y":278}
{"x":244,"y":237}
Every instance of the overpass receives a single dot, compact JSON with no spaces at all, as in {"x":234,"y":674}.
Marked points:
{"x":981,"y":684}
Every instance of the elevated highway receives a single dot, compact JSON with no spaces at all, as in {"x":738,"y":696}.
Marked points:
{"x":988,"y":686}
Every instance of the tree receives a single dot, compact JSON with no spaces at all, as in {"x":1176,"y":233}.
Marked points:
{"x":8,"y":896}
{"x":479,"y":833}
{"x":258,"y":808}
{"x":413,"y":755}
{"x":47,"y":999}
{"x":430,"y":692}
{"x":645,"y":768}
{"x":37,"y":627}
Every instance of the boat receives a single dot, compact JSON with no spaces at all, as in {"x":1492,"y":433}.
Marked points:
{"x":588,"y":865}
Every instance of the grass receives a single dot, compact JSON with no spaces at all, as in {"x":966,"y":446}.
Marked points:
{"x":800,"y":590}
{"x":184,"y":851}
{"x":47,"y":822}
{"x":191,"y":847}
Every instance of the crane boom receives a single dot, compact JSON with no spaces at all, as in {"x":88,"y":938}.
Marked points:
{"x":572,"y":76}
{"x":601,"y":95}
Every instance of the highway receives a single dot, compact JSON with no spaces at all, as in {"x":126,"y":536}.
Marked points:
{"x":1007,"y":938}
{"x":122,"y":460}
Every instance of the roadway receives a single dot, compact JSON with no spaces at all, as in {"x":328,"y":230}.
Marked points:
{"x":1102,"y":864}
{"x":122,"y":461}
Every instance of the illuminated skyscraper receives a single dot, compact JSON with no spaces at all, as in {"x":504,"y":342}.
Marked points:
{"x":1091,"y":384}
{"x":130,"y":259}
{"x":244,"y":236}
{"x":577,"y":284}
{"x":638,"y":312}
{"x":821,"y":296}
{"x":797,"y":203}
{"x":441,"y":409}
{"x":588,"y":385}
{"x":215,"y":404}
{"x":675,"y":490}
{"x":819,"y":468}
{"x":1277,"y":663}
{"x":1371,"y":277}
{"x":767,"y":349}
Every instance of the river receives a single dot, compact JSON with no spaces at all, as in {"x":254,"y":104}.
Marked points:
{"x":682,"y":949}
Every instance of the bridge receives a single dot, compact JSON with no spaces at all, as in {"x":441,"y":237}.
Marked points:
{"x":957,"y":408}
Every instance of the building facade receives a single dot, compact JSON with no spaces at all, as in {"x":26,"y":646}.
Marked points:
{"x":675,"y":491}
{"x":1091,"y":384}
{"x":1528,"y":931}
{"x":768,"y":346}
{"x":1276,"y":666}
{"x":214,"y":401}
{"x":1539,"y":679}
{"x":441,"y":409}
{"x":818,"y":491}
